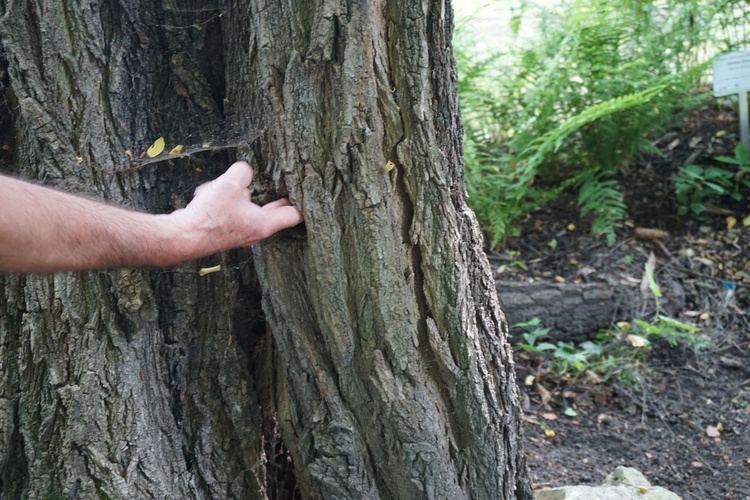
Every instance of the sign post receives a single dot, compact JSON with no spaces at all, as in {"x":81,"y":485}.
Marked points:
{"x":732,"y":76}
{"x":744,"y":126}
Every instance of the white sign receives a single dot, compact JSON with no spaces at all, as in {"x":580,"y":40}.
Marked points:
{"x":732,"y":73}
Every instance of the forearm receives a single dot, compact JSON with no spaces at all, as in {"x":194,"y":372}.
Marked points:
{"x":43,"y":230}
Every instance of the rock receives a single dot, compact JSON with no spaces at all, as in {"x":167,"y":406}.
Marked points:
{"x":625,"y":483}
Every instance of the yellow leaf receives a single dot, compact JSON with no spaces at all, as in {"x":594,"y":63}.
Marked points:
{"x":571,"y":227}
{"x":209,"y":270}
{"x":529,"y":380}
{"x":719,"y":427}
{"x":601,"y":418}
{"x":549,"y":433}
{"x":721,"y":133}
{"x":637,"y":340}
{"x":731,"y":222}
{"x":206,"y":145}
{"x":704,"y":316}
{"x":746,"y":221}
{"x":643,"y":489}
{"x":389,"y":166}
{"x":623,"y":325}
{"x":176,"y":150}
{"x":156,"y":148}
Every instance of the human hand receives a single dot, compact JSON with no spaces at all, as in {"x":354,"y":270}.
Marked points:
{"x":223,"y":216}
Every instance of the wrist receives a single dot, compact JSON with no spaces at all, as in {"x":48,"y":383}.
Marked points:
{"x":184,"y":239}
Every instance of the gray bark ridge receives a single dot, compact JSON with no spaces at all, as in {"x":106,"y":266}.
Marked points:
{"x":396,"y":378}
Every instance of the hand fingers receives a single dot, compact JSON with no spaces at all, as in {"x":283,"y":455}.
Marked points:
{"x":239,"y":173}
{"x":280,"y":217}
{"x":281,"y":202}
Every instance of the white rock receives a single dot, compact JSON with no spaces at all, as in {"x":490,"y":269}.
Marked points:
{"x":625,"y":483}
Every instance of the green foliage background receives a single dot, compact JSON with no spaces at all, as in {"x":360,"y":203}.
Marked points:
{"x":577,"y":103}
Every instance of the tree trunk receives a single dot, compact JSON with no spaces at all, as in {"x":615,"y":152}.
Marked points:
{"x":360,"y":356}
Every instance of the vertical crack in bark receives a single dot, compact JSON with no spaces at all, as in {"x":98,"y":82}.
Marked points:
{"x":250,"y":331}
{"x":281,"y":477}
{"x":34,"y":32}
{"x":8,"y":115}
{"x":14,"y":478}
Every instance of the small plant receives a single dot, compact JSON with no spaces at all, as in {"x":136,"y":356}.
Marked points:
{"x":605,"y":202}
{"x":673,"y":331}
{"x":662,"y":327}
{"x":619,"y":353}
{"x":574,"y":359}
{"x":565,"y":358}
{"x":695,"y":184}
{"x":515,"y":262}
{"x":742,"y":161}
{"x":533,"y":335}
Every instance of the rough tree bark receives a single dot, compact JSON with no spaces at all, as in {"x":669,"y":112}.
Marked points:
{"x":360,"y":356}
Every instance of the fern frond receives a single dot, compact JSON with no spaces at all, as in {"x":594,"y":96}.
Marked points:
{"x":601,"y":199}
{"x":552,"y":140}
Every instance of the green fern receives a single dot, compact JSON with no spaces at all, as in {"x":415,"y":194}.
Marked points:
{"x":553,"y":140}
{"x":601,"y":199}
{"x":583,"y":100}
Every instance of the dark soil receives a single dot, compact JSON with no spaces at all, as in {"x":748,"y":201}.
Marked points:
{"x":687,"y":425}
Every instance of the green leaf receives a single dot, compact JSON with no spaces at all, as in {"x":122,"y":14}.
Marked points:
{"x":546,"y":346}
{"x":742,"y":154}
{"x":526,"y":324}
{"x":652,"y":282}
{"x":727,"y":159}
{"x":570,"y":412}
{"x":693,"y":171}
{"x":697,"y":208}
{"x":717,"y":173}
{"x":716,"y":187}
{"x":677,"y":324}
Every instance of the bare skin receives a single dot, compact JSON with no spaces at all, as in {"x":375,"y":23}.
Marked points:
{"x":43,"y":230}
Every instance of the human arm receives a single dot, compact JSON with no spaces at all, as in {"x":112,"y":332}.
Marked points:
{"x":43,"y":230}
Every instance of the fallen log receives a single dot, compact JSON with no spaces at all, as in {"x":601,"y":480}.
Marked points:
{"x":574,"y":312}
